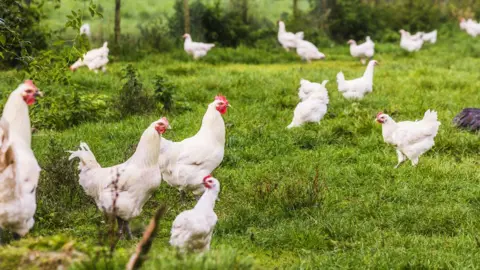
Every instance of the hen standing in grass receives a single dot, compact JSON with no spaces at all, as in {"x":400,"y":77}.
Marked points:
{"x":19,"y":169}
{"x":411,"y":139}
{"x":288,"y":39}
{"x":196,"y":49}
{"x":357,"y":88}
{"x":192,"y":229}
{"x":183,"y":163}
{"x":122,"y":190}
{"x":363,"y":51}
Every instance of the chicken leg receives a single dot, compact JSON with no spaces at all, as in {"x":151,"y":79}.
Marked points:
{"x":401,"y":158}
{"x":126,"y":226}
{"x":16,"y":236}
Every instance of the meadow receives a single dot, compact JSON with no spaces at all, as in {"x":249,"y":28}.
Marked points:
{"x":322,"y":196}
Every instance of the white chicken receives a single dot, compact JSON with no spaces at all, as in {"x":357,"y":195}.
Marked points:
{"x":288,"y":39}
{"x":470,"y":26}
{"x":192,"y":229}
{"x":307,"y":51}
{"x":362,"y":51}
{"x":411,"y":139}
{"x":430,"y":37}
{"x":183,"y":163}
{"x":196,"y":49}
{"x":122,"y":190}
{"x":19,"y":169}
{"x":357,"y":88}
{"x":313,"y":104}
{"x":85,"y":30}
{"x":408,"y":44}
{"x":94,"y":59}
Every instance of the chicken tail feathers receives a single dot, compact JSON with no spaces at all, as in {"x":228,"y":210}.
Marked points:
{"x":86,"y":156}
{"x":340,"y":81}
{"x":468,"y":118}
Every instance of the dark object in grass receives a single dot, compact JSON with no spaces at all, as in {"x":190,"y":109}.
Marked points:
{"x":468,"y":118}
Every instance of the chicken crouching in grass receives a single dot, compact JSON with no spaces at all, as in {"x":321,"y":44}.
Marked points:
{"x":192,"y":229}
{"x":196,"y":49}
{"x":468,"y":118}
{"x":19,"y":169}
{"x":411,"y":139}
{"x":313,"y":104}
{"x":183,"y":163}
{"x":135,"y":181}
{"x":357,"y":88}
{"x":94,"y":59}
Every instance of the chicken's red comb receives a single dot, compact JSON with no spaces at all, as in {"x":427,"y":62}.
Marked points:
{"x":221,"y":98}
{"x":164,"y":120}
{"x":206,"y":177}
{"x":378,"y":114}
{"x":30,"y":83}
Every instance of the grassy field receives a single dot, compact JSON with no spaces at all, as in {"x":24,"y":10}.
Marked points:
{"x":274,"y":211}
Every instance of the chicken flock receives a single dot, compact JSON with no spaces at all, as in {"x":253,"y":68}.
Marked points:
{"x":122,"y":190}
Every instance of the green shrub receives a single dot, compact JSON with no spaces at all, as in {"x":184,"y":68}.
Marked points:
{"x":61,"y":109}
{"x":20,"y":33}
{"x":133,"y":98}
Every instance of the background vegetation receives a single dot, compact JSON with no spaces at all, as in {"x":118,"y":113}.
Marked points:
{"x":320,"y":196}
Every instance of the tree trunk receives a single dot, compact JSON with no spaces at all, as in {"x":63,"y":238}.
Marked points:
{"x":295,"y":9}
{"x":117,"y":21}
{"x":186,"y":17}
{"x":245,"y":11}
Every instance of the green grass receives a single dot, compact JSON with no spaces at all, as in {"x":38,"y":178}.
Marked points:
{"x":360,"y":213}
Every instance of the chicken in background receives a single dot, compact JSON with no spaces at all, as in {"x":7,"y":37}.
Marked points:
{"x":363,"y":51}
{"x":196,"y":49}
{"x":94,"y":59}
{"x":192,"y":229}
{"x":357,"y":88}
{"x":409,"y":44}
{"x":288,"y":39}
{"x":430,"y":37}
{"x":411,"y":139}
{"x":470,"y":26}
{"x":19,"y":169}
{"x":307,"y":51}
{"x":85,"y":30}
{"x":468,"y":118}
{"x":122,"y":190}
{"x":313,"y":104}
{"x":183,"y":163}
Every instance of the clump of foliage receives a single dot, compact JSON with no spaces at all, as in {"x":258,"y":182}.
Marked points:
{"x":64,"y":108}
{"x":134,"y":99}
{"x":164,"y":93}
{"x":58,"y":191}
{"x":20,"y":33}
{"x":154,"y":35}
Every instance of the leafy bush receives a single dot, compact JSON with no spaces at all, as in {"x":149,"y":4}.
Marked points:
{"x":58,"y":189}
{"x":133,"y":98}
{"x":62,"y":109}
{"x":165,"y":95}
{"x":20,"y":33}
{"x":154,"y":35}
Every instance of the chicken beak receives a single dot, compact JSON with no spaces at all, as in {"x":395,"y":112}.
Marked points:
{"x":230,"y":106}
{"x":169,"y":126}
{"x":38,"y":94}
